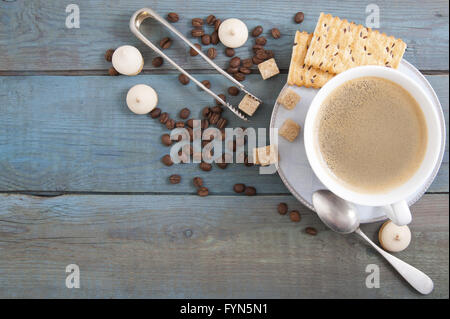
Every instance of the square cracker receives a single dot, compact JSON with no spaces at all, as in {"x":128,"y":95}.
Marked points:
{"x":289,"y":99}
{"x":289,"y":130}
{"x":248,"y":104}
{"x":268,"y":68}
{"x":338,"y":45}
{"x":265,"y":155}
{"x":299,"y":73}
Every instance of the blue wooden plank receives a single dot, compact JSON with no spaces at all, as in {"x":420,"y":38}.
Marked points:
{"x":33,"y":35}
{"x":76,"y":134}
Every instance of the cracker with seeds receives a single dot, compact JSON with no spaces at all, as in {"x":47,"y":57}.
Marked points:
{"x":338,"y":45}
{"x":299,"y":73}
{"x":289,"y":130}
{"x":289,"y":99}
{"x":265,"y":155}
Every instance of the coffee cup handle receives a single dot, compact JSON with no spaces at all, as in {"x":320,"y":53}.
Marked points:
{"x":399,"y":213}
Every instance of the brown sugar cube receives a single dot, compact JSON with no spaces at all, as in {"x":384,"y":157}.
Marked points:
{"x":289,"y":99}
{"x":289,"y":130}
{"x":268,"y":68}
{"x":265,"y":155}
{"x":248,"y":105}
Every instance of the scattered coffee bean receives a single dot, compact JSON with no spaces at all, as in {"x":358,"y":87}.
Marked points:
{"x":190,"y":123}
{"x":223,"y":97}
{"x":184,"y":113}
{"x":215,"y":38}
{"x":257,"y":31}
{"x":217,"y":109}
{"x":112,"y":71}
{"x":197,"y":32}
{"x":214,"y":118}
{"x":235,"y":62}
{"x":175,"y":179}
{"x":205,"y":166}
{"x":205,"y":112}
{"x":165,"y":139}
{"x":198,"y":182}
{"x":269,"y":54}
{"x":256,"y":60}
{"x":222,"y":165}
{"x":204,"y":124}
{"x":212,"y":53}
{"x":179,"y":124}
{"x":247,"y":63}
{"x":261,"y":54}
{"x":261,"y":41}
{"x":157,"y":62}
{"x":282,"y":208}
{"x":163,"y":118}
{"x":173,"y":17}
{"x":239,"y":188}
{"x":170,"y":124}
{"x":165,"y":43}
{"x":183,"y":79}
{"x":202,"y":191}
{"x":155,"y":113}
{"x":191,"y":134}
{"x":257,"y":47}
{"x":232,"y":90}
{"x":311,"y":231}
{"x":197,"y":22}
{"x":210,"y":19}
{"x":250,"y":191}
{"x":232,"y":70}
{"x":166,"y":160}
{"x":192,"y":52}
{"x":221,"y":123}
{"x":217,"y":24}
{"x":206,"y":39}
{"x":299,"y":17}
{"x":239,"y":76}
{"x":276,"y":34}
{"x":108,"y":55}
{"x":206,"y":83}
{"x":295,"y":216}
{"x":245,"y":70}
{"x":229,"y":52}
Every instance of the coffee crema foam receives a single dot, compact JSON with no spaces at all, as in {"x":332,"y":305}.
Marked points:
{"x":372,"y":134}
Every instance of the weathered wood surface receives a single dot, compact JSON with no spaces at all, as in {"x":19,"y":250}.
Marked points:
{"x":221,"y":246}
{"x":33,"y":35}
{"x":75,"y":134}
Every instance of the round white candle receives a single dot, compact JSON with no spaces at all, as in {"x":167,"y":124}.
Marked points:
{"x":142,"y":99}
{"x":127,"y":60}
{"x":233,"y":33}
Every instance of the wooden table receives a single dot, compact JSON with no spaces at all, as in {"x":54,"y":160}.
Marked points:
{"x":81,"y":180}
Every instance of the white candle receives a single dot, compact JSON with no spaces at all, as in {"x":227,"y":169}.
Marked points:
{"x":233,"y":33}
{"x":142,"y":99}
{"x":127,"y":60}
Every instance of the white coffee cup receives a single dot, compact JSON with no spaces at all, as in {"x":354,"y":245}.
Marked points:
{"x":393,"y":200}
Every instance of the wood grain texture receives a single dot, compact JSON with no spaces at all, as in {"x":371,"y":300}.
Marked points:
{"x":33,"y":36}
{"x":139,"y":246}
{"x":75,"y":134}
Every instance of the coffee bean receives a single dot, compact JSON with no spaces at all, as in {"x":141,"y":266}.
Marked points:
{"x":206,"y":83}
{"x":295,"y":216}
{"x":191,"y":134}
{"x":108,"y":55}
{"x":212,"y":53}
{"x":183,"y":79}
{"x":222,"y":165}
{"x":157,"y":62}
{"x":299,"y":17}
{"x":269,"y":54}
{"x":202,"y":191}
{"x":217,"y":109}
{"x":239,"y":76}
{"x":112,"y":71}
{"x":155,"y":113}
{"x":235,"y":62}
{"x":192,"y":52}
{"x":282,"y":208}
{"x":204,"y":124}
{"x":210,"y":19}
{"x":197,"y":22}
{"x":239,"y":188}
{"x":229,"y":52}
{"x":246,"y":162}
{"x":165,"y":43}
{"x":245,"y":70}
{"x":166,"y":160}
{"x":179,"y":124}
{"x":170,"y":124}
{"x":175,"y":179}
{"x":197,"y":32}
{"x":261,"y":54}
{"x":250,"y":191}
{"x":205,"y":166}
{"x":217,"y":24}
{"x":311,"y":231}
{"x":198,"y":182}
{"x":257,"y":47}
{"x":173,"y":17}
{"x":276,"y":34}
{"x":223,"y":97}
{"x":184,"y":113}
{"x":247,"y":63}
{"x":206,"y":39}
{"x":163,"y":118}
{"x":232,"y":70}
{"x":215,"y":38}
{"x":205,"y":112}
{"x":232,"y":90}
{"x":257,"y":31}
{"x":256,"y":61}
{"x":165,"y":139}
{"x":261,"y":41}
{"x":190,"y":123}
{"x":221,"y":123}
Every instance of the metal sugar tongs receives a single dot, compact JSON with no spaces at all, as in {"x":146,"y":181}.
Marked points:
{"x":135,"y":23}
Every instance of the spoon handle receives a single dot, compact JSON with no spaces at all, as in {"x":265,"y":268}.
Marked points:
{"x":416,"y":278}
